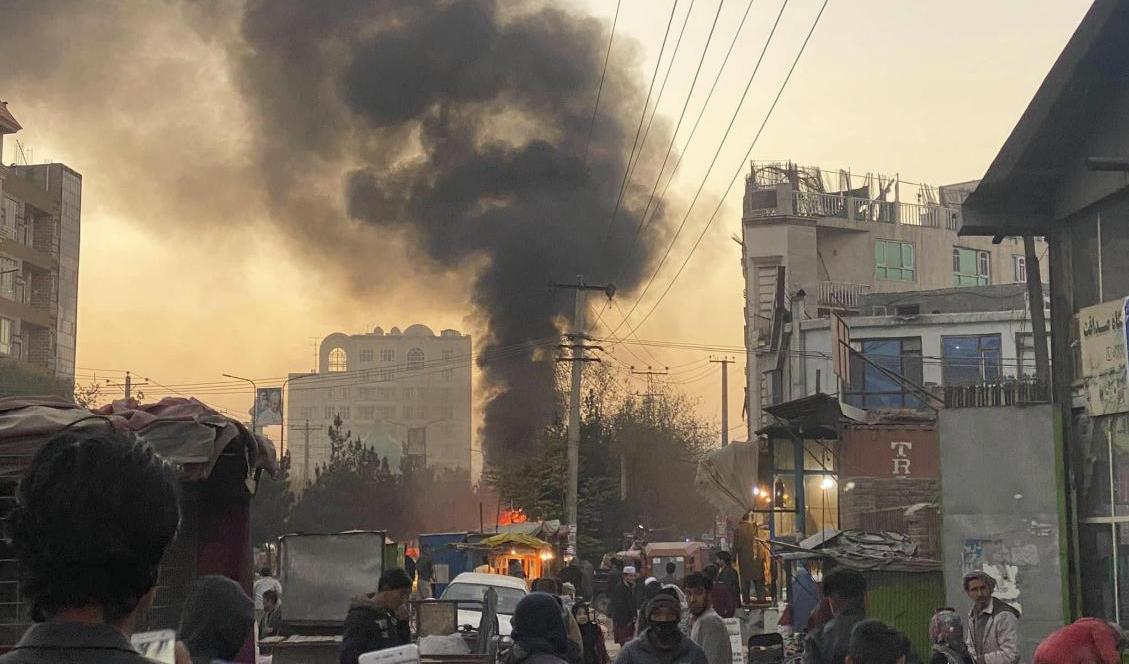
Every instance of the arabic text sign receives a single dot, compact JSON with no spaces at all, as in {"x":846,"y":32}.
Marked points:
{"x":1104,"y":359}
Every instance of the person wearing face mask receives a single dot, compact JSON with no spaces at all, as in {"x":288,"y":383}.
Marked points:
{"x":595,"y":650}
{"x":662,"y":642}
{"x":378,"y":620}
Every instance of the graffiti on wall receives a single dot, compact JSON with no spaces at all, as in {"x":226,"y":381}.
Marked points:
{"x":1004,"y":558}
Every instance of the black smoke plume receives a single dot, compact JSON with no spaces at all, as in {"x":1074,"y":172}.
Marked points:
{"x":469,"y":126}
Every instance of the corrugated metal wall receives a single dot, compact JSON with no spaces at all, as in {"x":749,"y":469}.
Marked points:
{"x":906,"y":601}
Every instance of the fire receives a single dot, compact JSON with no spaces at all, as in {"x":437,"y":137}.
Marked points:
{"x":509,"y":517}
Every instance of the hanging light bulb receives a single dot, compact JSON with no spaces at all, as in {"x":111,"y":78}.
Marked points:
{"x":827,"y":483}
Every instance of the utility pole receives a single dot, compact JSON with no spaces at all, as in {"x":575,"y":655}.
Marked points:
{"x":127,"y":385}
{"x":649,"y":406}
{"x":724,"y":362}
{"x":305,"y":428}
{"x":577,"y":347}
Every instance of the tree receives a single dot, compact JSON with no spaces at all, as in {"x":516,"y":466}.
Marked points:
{"x":270,"y":510}
{"x":88,"y":396}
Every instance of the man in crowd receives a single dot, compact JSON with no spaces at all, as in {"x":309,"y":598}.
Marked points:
{"x":845,"y":591}
{"x":425,"y":570}
{"x":571,"y":573}
{"x":265,"y":582}
{"x":662,"y":642}
{"x":217,"y":620}
{"x":727,"y":575}
{"x":750,"y":558}
{"x":378,"y":620}
{"x":669,"y":579}
{"x":874,"y":642}
{"x":706,"y":627}
{"x":95,"y":513}
{"x":721,"y":599}
{"x":623,"y":606}
{"x":269,"y":623}
{"x":993,"y":625}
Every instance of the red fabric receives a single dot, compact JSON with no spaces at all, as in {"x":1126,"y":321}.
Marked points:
{"x":821,"y":615}
{"x":224,"y":547}
{"x":1087,"y":641}
{"x":623,"y":633}
{"x":723,"y":601}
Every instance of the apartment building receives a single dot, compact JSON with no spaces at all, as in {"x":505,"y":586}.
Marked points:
{"x":405,"y":393}
{"x":833,"y":237}
{"x":40,"y":231}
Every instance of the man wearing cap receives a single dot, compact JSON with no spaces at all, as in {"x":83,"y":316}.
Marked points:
{"x":623,"y":607}
{"x":662,"y":642}
{"x":993,"y":625}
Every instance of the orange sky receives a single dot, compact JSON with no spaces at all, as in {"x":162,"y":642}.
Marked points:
{"x":928,"y":90}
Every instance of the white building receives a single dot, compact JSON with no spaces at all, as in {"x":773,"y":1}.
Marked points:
{"x":404,"y":393}
{"x":837,"y":237}
{"x":933,"y":339}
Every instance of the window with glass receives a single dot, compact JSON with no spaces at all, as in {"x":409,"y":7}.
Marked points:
{"x":338,"y":361}
{"x":1019,"y":264}
{"x":6,"y":327}
{"x":387,"y":355}
{"x":415,"y":359}
{"x":9,"y":274}
{"x":1101,"y":461}
{"x":875,"y":383}
{"x":971,"y":267}
{"x":365,"y":355}
{"x":968,"y":360}
{"x":893,"y":260}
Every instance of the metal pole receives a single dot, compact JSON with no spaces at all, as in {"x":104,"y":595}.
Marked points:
{"x":254,"y":399}
{"x":306,"y":460}
{"x":572,"y":495}
{"x":724,"y":362}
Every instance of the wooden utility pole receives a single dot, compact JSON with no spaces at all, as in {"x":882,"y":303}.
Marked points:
{"x":724,"y":362}
{"x":1038,"y":317}
{"x":577,"y":347}
{"x":305,"y":428}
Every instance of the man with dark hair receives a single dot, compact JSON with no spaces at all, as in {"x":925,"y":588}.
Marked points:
{"x":993,"y":625}
{"x":623,"y":606}
{"x":669,"y":579}
{"x":95,"y":513}
{"x":874,"y":642}
{"x":378,"y":620}
{"x":269,"y":623}
{"x":706,"y":627}
{"x":425,"y":570}
{"x":721,"y":599}
{"x":845,"y":591}
{"x":727,"y":575}
{"x":662,"y":642}
{"x":217,"y":620}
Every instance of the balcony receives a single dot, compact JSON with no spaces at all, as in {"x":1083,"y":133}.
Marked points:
{"x":840,"y":296}
{"x":785,"y":200}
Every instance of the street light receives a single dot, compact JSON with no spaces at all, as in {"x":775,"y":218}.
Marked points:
{"x":254,"y":398}
{"x":282,"y":436}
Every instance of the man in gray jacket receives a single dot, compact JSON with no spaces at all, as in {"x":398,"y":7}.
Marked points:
{"x":662,"y":642}
{"x":707,"y":629}
{"x":993,"y":625}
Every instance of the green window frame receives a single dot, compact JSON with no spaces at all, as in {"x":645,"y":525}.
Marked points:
{"x":894,"y":261}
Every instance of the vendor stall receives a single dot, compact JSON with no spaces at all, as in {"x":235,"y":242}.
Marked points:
{"x":507,"y":552}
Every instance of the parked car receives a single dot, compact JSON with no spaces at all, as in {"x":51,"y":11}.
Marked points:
{"x":471,"y":587}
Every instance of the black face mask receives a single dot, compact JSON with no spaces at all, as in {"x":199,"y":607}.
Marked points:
{"x":667,"y":634}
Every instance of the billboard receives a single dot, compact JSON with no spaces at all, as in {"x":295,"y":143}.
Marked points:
{"x":268,"y":406}
{"x":1102,"y":345}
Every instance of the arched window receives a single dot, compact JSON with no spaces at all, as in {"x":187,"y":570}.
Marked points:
{"x":338,"y":362}
{"x":415,"y":359}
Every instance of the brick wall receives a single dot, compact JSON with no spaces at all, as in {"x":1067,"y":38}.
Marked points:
{"x":40,"y":349}
{"x":880,"y":503}
{"x":46,"y":234}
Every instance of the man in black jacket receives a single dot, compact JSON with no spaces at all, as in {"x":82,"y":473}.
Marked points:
{"x":624,"y":606}
{"x":378,"y":620}
{"x":845,"y":590}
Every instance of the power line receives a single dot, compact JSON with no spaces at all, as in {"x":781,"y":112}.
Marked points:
{"x":716,"y":154}
{"x":642,"y":117}
{"x":681,"y":116}
{"x":600,"y":88}
{"x":740,"y":168}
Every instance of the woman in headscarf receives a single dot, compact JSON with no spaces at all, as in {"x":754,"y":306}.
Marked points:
{"x":595,"y":650}
{"x":946,"y":635}
{"x":538,"y":631}
{"x":217,"y":620}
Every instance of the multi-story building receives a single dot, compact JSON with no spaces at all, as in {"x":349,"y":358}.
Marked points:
{"x":834,"y":237}
{"x":405,"y":393}
{"x":40,"y":229}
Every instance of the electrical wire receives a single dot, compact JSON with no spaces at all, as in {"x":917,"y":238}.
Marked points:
{"x":713,"y":162}
{"x":600,"y":87}
{"x":642,"y":117}
{"x":740,"y":168}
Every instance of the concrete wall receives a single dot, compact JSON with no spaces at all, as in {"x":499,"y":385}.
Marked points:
{"x":1001,"y":514}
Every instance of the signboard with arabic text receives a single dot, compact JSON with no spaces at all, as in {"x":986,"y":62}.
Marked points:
{"x":1103,"y":350}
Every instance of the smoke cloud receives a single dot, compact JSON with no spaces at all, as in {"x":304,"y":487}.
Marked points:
{"x":455,"y":130}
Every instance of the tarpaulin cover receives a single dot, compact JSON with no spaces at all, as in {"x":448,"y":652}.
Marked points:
{"x":726,"y":477}
{"x":185,"y":432}
{"x":514,"y":539}
{"x":320,"y":574}
{"x":542,"y":529}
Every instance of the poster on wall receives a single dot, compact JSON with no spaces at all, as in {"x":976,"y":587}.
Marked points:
{"x":268,"y":406}
{"x":1104,"y":357}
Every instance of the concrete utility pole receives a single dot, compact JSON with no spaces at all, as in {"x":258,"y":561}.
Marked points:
{"x":724,"y":362}
{"x":576,"y":344}
{"x":306,"y":428}
{"x":127,"y":385}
